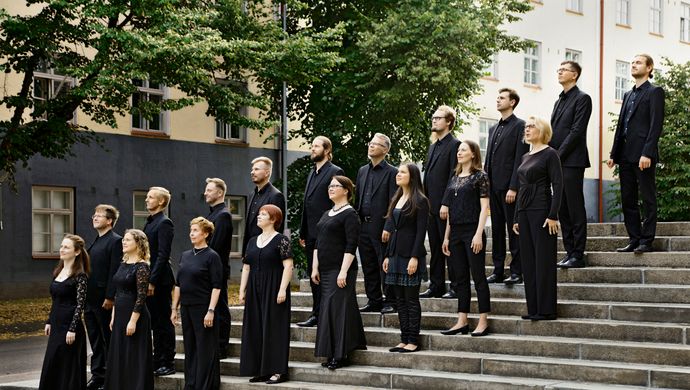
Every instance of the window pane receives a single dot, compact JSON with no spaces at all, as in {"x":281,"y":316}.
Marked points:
{"x":140,"y":203}
{"x":41,"y":223}
{"x":60,"y":200}
{"x":56,"y":241}
{"x":41,"y":243}
{"x":41,"y":88}
{"x":139,"y":221}
{"x":61,"y":225}
{"x":40,"y":199}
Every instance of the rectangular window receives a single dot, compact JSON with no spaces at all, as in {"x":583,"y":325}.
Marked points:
{"x":140,"y":212}
{"x":238,"y":208}
{"x":573,"y":55}
{"x":52,"y":210}
{"x":655,"y":16}
{"x":532,"y":63}
{"x":574,"y":5}
{"x":484,"y":125}
{"x":230,"y":132}
{"x":491,"y":69}
{"x":49,"y":84}
{"x":685,"y":22}
{"x":147,"y":91}
{"x":623,"y":12}
{"x":622,"y":79}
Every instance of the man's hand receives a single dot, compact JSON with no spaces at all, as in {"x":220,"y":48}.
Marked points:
{"x":107,"y":304}
{"x":151,"y":289}
{"x":610,"y":163}
{"x":645,"y":162}
{"x":510,"y":196}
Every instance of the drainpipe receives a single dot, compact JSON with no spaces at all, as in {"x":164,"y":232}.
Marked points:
{"x":601,"y":110}
{"x":284,"y":128}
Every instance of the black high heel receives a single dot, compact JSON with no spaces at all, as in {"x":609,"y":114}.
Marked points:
{"x":450,"y":332}
{"x":484,"y":332}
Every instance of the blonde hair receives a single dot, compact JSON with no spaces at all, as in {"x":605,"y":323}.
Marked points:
{"x":266,"y":161}
{"x":163,"y":193}
{"x":142,"y":245}
{"x":220,"y":183}
{"x":204,"y":224}
{"x":110,"y":211}
{"x":649,"y":61}
{"x":545,"y":132}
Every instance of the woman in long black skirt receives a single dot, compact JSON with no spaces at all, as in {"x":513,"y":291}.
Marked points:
{"x":340,"y":329}
{"x":536,"y":219}
{"x":197,"y":290}
{"x":64,"y":365}
{"x":265,"y":292}
{"x":130,"y":356}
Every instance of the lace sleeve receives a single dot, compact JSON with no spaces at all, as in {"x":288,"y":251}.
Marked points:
{"x":143,"y":274}
{"x":82,"y":282}
{"x":483,"y":184}
{"x":285,"y":248}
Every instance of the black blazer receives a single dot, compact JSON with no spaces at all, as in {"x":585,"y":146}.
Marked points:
{"x":221,"y":239}
{"x":569,"y":127}
{"x":272,"y":196}
{"x":105,"y":258}
{"x":439,"y":170}
{"x":316,"y":200}
{"x":383,"y":191}
{"x":644,"y":126}
{"x":160,"y":231}
{"x":407,"y":236}
{"x":504,"y":155}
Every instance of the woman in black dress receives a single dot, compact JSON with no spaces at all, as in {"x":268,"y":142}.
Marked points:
{"x":465,"y":206}
{"x":197,"y":290}
{"x":536,"y":219}
{"x":340,"y":329}
{"x":265,"y":292}
{"x":64,"y":365}
{"x":130,"y":356}
{"x":405,"y":261}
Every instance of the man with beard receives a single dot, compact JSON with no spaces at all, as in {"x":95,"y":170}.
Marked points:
{"x":315,"y":203}
{"x":221,"y":242}
{"x":264,"y":193}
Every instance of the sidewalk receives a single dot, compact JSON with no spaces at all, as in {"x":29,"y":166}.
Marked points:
{"x":20,"y":362}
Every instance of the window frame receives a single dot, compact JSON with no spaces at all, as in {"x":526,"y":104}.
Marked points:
{"x":491,"y":70}
{"x":483,"y":134}
{"x":238,"y":216}
{"x":52,"y":252}
{"x":45,"y":72}
{"x":574,"y":6}
{"x":146,"y":91}
{"x":684,"y":22}
{"x":622,"y":84}
{"x":656,"y":17}
{"x":535,"y":65}
{"x":623,"y":14}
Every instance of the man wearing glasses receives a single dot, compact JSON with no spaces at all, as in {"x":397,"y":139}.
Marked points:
{"x":375,"y":188}
{"x":569,"y":121}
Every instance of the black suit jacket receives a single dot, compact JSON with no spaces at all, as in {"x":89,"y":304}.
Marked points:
{"x":221,"y":239}
{"x":316,"y":200}
{"x":160,"y":231}
{"x":504,"y":155}
{"x":271,"y":195}
{"x":569,"y":125}
{"x":383,"y":191}
{"x":437,"y":171}
{"x":644,"y":127}
{"x":407,"y":236}
{"x":105,"y":258}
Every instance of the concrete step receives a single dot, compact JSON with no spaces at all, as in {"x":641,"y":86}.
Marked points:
{"x":227,"y":382}
{"x":610,"y":244}
{"x":618,"y":229}
{"x":679,"y":259}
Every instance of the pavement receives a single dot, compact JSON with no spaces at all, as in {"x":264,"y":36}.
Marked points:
{"x":21,"y":361}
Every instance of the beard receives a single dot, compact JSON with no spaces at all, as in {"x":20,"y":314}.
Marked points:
{"x":318,"y":157}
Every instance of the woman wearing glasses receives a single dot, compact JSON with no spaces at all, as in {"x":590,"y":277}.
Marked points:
{"x":340,"y":329}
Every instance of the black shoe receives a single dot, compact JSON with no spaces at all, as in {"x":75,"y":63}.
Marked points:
{"x":450,"y":295}
{"x":544,"y":317}
{"x":338,"y":363}
{"x":430,"y":294}
{"x":513,"y":279}
{"x":573,"y":262}
{"x":388,"y":310}
{"x":527,"y":317}
{"x":643,"y":248}
{"x":94,"y":384}
{"x":371,"y":308}
{"x":101,"y":387}
{"x":493,"y":278}
{"x":396,"y":349}
{"x":280,"y":379}
{"x":564,"y":259}
{"x":405,"y":350}
{"x":463,"y":329}
{"x":484,"y":332}
{"x":311,"y":321}
{"x":327,"y":362}
{"x":628,"y":248}
{"x":163,"y":371}
{"x":260,"y":378}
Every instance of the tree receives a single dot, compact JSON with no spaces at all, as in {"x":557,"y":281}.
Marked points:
{"x":100,"y":47}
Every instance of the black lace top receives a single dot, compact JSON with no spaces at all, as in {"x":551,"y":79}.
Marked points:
{"x":271,"y":256}
{"x":336,"y":236}
{"x":462,"y":197}
{"x":133,"y":280}
{"x":70,"y":292}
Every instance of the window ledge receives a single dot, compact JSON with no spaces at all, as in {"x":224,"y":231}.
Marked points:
{"x":489,"y":78}
{"x":44,"y":256}
{"x":684,"y":42}
{"x":238,"y":143}
{"x":150,"y":133}
{"x":656,"y":34}
{"x":532,"y":86}
{"x":574,"y":12}
{"x":618,"y":101}
{"x":624,"y":26}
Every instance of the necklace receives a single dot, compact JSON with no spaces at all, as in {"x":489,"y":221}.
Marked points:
{"x":196,"y":252}
{"x":262,"y":240}
{"x":336,"y":209}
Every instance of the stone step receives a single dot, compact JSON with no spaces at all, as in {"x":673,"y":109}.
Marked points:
{"x":618,"y":229}
{"x":679,"y":259}
{"x":227,"y":382}
{"x":610,"y":244}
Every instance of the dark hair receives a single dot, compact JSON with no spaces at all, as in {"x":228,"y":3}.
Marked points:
{"x":512,"y":95}
{"x":416,"y":189}
{"x":575,"y":65}
{"x":648,"y":62}
{"x":327,"y":146}
{"x":274,"y":212}
{"x":476,"y":160}
{"x":347,"y":185}
{"x":82,"y":262}
{"x":111,"y":212}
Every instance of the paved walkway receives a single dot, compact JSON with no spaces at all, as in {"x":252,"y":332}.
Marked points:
{"x":21,"y":360}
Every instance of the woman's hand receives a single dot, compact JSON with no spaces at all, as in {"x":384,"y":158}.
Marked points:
{"x":443,"y":212}
{"x":208,"y":319}
{"x":385,"y":236}
{"x":385,"y":265}
{"x":243,"y":297}
{"x":315,"y":277}
{"x":342,"y":279}
{"x":282,"y":295}
{"x":151,"y":290}
{"x":112,"y":320}
{"x":477,"y":243}
{"x":47,"y":330}
{"x":69,"y":339}
{"x":553,"y":225}
{"x":445,"y":248}
{"x":173,"y":316}
{"x":516,"y":229}
{"x":131,"y":328}
{"x":412,"y":265}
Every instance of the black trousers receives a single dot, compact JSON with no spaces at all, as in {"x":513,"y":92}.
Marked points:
{"x":572,"y":215}
{"x":315,"y":288}
{"x":370,"y":251}
{"x":222,"y":318}
{"x":201,"y":365}
{"x":437,"y":264}
{"x":409,"y":313}
{"x":98,"y":328}
{"x":636,"y":184}
{"x":538,"y":262}
{"x":159,"y":305}
{"x":466,"y":262}
{"x":502,"y":215}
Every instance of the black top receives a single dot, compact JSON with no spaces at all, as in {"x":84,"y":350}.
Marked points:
{"x":271,"y":256}
{"x":374,"y":175}
{"x":267,"y":195}
{"x":316,"y":199}
{"x":462,"y":197}
{"x":200,"y":272}
{"x":70,"y":292}
{"x":160,"y":231}
{"x":133,"y":279}
{"x":106,"y":255}
{"x":408,"y":231}
{"x":221,"y":239}
{"x":541,"y":182}
{"x":569,"y":121}
{"x":439,"y":168}
{"x":375,"y":186}
{"x":504,"y":153}
{"x":337,"y":235}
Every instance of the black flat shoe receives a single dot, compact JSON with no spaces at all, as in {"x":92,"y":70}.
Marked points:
{"x":388,"y":310}
{"x":163,"y":371}
{"x":484,"y":332}
{"x":643,"y":248}
{"x":463,"y":329}
{"x":544,"y":317}
{"x":493,"y":278}
{"x":260,"y":378}
{"x":405,"y":350}
{"x":573,"y":262}
{"x":396,"y":349}
{"x":327,"y":362}
{"x":311,"y":321}
{"x":371,"y":308}
{"x":564,"y":259}
{"x":513,"y":279}
{"x":628,"y":248}
{"x":280,"y":378}
{"x":450,"y":295}
{"x":527,"y":317}
{"x":338,"y":363}
{"x":430,"y":294}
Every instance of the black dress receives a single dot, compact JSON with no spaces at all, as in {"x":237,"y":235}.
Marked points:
{"x":130,"y":358}
{"x":64,"y":366}
{"x":340,"y":328}
{"x":266,"y":324}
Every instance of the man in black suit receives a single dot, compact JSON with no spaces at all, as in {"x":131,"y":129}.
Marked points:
{"x":106,"y":256}
{"x":315,"y":203}
{"x":636,"y":151}
{"x":264,"y":193}
{"x":503,"y":157}
{"x":569,"y":121}
{"x":438,"y":169}
{"x":160,"y":231}
{"x":221,"y":242}
{"x":375,"y":188}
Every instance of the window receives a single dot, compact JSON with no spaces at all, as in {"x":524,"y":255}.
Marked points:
{"x":238,"y":208}
{"x":655,"y":16}
{"x":623,"y":12}
{"x":52,"y":210}
{"x":574,"y":5}
{"x":622,"y":79}
{"x":231,"y":132}
{"x":491,"y":69}
{"x":573,"y":55}
{"x":685,"y":22}
{"x":148,"y":91}
{"x":531,"y":68}
{"x":484,"y":125}
{"x":49,"y":84}
{"x":139,"y":209}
